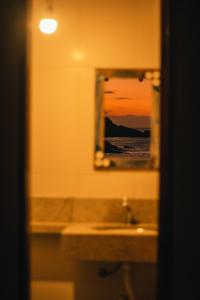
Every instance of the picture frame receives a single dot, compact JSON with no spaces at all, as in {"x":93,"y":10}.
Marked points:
{"x":127,"y":119}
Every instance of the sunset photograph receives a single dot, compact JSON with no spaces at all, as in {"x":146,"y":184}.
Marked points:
{"x":127,"y":113}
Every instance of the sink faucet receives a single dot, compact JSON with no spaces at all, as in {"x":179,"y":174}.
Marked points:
{"x":130,"y":218}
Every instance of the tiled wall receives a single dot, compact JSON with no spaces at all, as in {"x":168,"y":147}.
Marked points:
{"x":91,"y":34}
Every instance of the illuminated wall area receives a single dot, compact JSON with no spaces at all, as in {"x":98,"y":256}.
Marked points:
{"x":90,"y":34}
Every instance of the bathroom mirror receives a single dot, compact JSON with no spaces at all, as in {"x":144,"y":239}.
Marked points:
{"x":127,"y":119}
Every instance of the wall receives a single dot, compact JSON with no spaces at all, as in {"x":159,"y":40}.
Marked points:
{"x":91,"y":34}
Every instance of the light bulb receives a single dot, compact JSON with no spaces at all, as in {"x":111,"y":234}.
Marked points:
{"x":48,"y":25}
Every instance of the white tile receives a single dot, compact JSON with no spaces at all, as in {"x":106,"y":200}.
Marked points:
{"x":120,"y":184}
{"x":99,"y":33}
{"x":51,"y":290}
{"x":56,"y":185}
{"x":90,"y":35}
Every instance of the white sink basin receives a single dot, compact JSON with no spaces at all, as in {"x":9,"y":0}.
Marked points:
{"x":142,"y":226}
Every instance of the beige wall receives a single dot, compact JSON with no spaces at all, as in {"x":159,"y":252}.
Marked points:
{"x":91,"y":34}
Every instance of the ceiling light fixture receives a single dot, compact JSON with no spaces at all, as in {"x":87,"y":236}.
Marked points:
{"x":49,"y":24}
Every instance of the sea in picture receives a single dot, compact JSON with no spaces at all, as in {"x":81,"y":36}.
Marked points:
{"x":130,"y":147}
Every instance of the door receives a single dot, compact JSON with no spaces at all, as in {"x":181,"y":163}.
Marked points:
{"x":14,"y":271}
{"x":179,"y":212}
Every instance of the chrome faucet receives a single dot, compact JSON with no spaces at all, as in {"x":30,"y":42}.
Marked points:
{"x":130,"y":218}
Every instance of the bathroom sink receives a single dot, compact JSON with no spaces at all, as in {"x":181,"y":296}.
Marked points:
{"x":146,"y":226}
{"x":110,"y":242}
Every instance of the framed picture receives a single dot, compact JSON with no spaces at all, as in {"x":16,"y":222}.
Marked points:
{"x":127,"y":119}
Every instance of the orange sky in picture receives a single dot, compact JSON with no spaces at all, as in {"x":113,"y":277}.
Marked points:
{"x":134,"y":97}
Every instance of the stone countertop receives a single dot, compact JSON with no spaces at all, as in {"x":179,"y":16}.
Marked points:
{"x":44,"y":227}
{"x":95,"y":229}
{"x":74,"y":222}
{"x":81,"y":241}
{"x":74,"y":228}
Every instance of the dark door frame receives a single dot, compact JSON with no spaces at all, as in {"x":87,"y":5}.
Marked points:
{"x":14,"y":255}
{"x":179,"y":250}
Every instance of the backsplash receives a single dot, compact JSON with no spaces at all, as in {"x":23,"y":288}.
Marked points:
{"x":91,"y":210}
{"x":51,"y":209}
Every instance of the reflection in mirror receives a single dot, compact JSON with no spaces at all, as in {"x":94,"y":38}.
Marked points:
{"x":127,"y":119}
